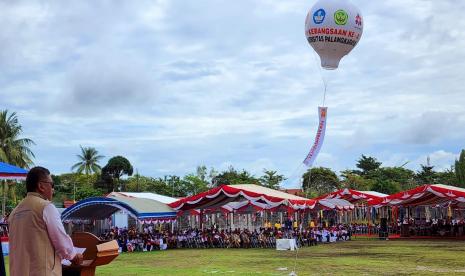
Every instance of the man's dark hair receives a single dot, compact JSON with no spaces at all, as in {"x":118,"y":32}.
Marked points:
{"x":35,"y":175}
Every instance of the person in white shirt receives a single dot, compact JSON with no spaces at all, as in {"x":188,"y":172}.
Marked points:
{"x":38,"y":242}
{"x":325,"y":235}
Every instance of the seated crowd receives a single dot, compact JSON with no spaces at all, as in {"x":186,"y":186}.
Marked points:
{"x":415,"y":227}
{"x":433,"y":227}
{"x":150,"y":239}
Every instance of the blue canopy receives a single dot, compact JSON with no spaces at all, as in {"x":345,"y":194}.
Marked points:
{"x":8,"y":171}
{"x":104,"y":207}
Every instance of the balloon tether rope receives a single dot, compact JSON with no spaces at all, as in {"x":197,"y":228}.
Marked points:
{"x":325,"y":83}
{"x":323,"y":79}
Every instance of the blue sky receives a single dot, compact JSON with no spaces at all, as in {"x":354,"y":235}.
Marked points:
{"x":176,"y":84}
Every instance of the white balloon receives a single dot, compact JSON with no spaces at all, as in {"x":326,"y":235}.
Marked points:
{"x":333,"y":28}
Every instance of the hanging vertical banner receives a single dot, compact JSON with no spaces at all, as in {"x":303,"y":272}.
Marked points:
{"x":320,"y":136}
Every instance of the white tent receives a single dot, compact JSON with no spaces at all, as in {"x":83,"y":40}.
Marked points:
{"x":152,"y":196}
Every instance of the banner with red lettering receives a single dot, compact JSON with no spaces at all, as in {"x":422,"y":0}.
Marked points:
{"x":320,"y":136}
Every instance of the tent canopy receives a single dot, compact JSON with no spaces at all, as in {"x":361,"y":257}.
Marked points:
{"x":244,"y":206}
{"x":8,"y":171}
{"x":152,"y":196}
{"x":354,"y":196}
{"x":247,"y":206}
{"x":104,"y":207}
{"x":430,"y":194}
{"x":335,"y":204}
{"x":224,"y":194}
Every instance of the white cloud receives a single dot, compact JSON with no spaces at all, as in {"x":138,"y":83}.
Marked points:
{"x":175,"y":84}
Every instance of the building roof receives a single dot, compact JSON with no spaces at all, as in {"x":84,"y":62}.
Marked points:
{"x":296,"y":192}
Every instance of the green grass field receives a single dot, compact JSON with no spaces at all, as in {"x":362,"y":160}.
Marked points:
{"x":358,"y":257}
{"x":408,"y":257}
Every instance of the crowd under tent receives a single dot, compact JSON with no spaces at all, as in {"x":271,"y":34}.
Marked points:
{"x":263,"y":204}
{"x":428,"y":210}
{"x":237,"y":214}
{"x":361,"y":212}
{"x":101,"y":210}
{"x":251,"y":206}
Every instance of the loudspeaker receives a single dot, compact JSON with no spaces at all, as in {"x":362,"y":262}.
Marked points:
{"x":383,"y":226}
{"x":383,"y":229}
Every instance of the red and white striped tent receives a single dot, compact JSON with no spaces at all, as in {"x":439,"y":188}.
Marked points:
{"x":222,"y":195}
{"x":245,"y":206}
{"x":248,"y":206}
{"x":354,"y":196}
{"x":426,"y":195}
{"x":338,"y":204}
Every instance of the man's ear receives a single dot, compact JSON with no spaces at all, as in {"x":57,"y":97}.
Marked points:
{"x":40,"y":187}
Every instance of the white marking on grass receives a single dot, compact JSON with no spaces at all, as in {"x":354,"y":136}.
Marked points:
{"x":438,"y":270}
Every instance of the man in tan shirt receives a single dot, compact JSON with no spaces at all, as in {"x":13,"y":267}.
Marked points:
{"x":37,"y":239}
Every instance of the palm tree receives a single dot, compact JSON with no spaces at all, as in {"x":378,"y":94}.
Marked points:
{"x":88,"y":163}
{"x":13,"y":149}
{"x":271,"y":179}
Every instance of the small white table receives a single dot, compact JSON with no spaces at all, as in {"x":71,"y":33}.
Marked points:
{"x":286,"y":244}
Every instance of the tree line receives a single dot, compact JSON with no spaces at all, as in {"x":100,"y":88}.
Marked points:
{"x":87,"y":177}
{"x":370,"y":175}
{"x":110,"y":178}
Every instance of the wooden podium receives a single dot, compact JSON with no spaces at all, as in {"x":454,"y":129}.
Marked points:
{"x":97,"y":253}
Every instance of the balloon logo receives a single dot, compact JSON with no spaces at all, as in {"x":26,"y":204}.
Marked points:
{"x":319,"y":16}
{"x":340,"y":17}
{"x":333,"y":38}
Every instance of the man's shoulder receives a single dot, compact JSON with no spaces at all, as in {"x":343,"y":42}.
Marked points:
{"x":36,"y":198}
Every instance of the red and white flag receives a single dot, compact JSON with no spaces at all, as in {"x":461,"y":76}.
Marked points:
{"x":320,"y":136}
